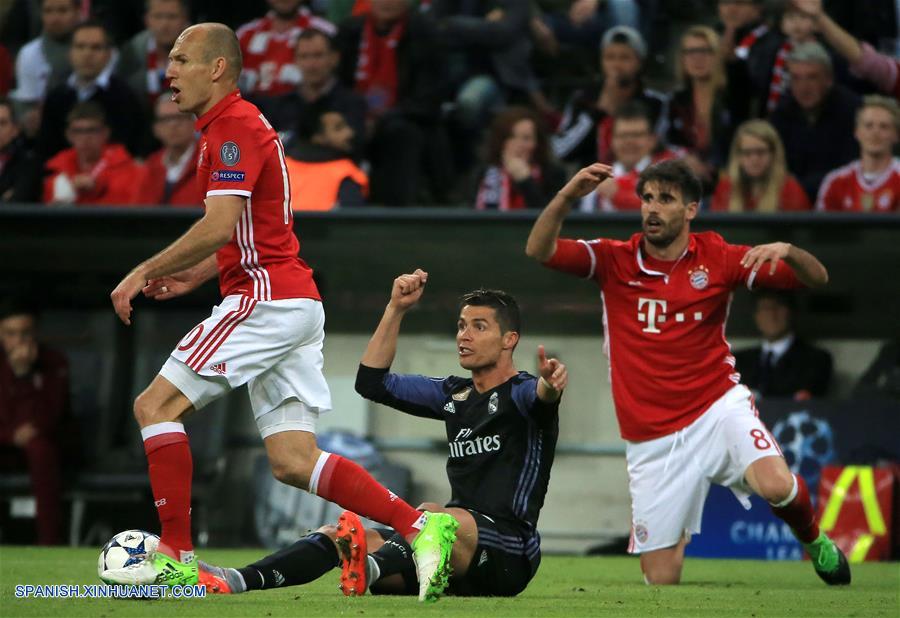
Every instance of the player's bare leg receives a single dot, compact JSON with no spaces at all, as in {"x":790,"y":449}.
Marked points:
{"x":770,"y":478}
{"x":297,"y":460}
{"x":662,"y":567}
{"x":158,"y":411}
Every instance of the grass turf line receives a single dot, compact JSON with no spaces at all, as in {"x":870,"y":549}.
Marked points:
{"x":564,"y":586}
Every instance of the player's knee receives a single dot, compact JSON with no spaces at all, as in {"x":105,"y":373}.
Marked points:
{"x":433,"y":507}
{"x":145,"y":412}
{"x":776,"y":487}
{"x":291,"y":473}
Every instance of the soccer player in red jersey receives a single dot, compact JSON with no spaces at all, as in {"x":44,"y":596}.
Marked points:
{"x":686,"y":418}
{"x":267,"y":332}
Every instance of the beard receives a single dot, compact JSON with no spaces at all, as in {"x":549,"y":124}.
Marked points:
{"x":664,"y":236}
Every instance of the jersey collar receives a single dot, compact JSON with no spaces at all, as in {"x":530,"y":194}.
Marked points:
{"x":637,"y":245}
{"x":227,"y":101}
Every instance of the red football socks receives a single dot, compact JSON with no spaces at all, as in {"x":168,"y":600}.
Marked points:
{"x":798,"y":513}
{"x":170,"y":467}
{"x":347,"y":484}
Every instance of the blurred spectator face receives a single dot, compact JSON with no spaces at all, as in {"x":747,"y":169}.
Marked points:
{"x":285,"y":8}
{"x":90,"y":53}
{"x":522,"y":141}
{"x":16,"y":331}
{"x":876,"y":131}
{"x":88,"y":137}
{"x":698,"y":58}
{"x":335,"y":132}
{"x":58,"y":17}
{"x":632,"y":140}
{"x":798,"y":27}
{"x":165,"y":19}
{"x":174,"y":129}
{"x":755,"y":156}
{"x":773,"y":318}
{"x":388,"y":11}
{"x":810,"y":83}
{"x":315,"y":60}
{"x":620,"y":62}
{"x":738,"y":13}
{"x":9,"y":130}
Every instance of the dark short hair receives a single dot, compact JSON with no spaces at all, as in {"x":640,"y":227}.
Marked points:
{"x":185,"y":5}
{"x":673,"y":173}
{"x":312,"y":33}
{"x":504,"y":305}
{"x":634,"y":110}
{"x":18,"y":304}
{"x":88,"y":110}
{"x":785,"y":298}
{"x":310,"y":121}
{"x":95,"y":23}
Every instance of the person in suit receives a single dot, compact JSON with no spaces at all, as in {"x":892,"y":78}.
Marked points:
{"x":784,"y":365}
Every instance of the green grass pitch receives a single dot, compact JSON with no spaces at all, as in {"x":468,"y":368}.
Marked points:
{"x":564,"y":586}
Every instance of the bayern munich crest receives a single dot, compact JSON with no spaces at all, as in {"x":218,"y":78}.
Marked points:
{"x":699,"y":277}
{"x":640,"y":533}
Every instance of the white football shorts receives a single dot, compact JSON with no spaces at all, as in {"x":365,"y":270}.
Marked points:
{"x":669,"y":477}
{"x":275,"y":347}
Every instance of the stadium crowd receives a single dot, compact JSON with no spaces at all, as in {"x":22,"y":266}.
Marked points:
{"x":778,"y":105}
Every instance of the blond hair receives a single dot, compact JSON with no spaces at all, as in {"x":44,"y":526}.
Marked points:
{"x":712,"y":40}
{"x":772,"y":181}
{"x":881,"y":102}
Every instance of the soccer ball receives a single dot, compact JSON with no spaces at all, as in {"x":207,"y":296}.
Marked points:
{"x":807,"y":442}
{"x":126,"y":548}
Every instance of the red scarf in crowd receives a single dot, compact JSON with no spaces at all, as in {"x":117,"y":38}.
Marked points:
{"x":780,"y":78}
{"x":498,"y":190}
{"x":376,"y":69}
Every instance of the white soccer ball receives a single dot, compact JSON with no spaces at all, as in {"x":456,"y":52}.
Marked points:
{"x":126,"y":548}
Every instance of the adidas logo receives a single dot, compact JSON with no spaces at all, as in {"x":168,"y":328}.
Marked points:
{"x":450,"y":408}
{"x":483,"y":558}
{"x":218,"y":368}
{"x":279,"y":578}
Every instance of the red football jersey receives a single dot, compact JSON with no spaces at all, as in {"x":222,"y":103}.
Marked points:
{"x":268,"y":56}
{"x":664,"y":324}
{"x":240,"y":154}
{"x":846,"y":189}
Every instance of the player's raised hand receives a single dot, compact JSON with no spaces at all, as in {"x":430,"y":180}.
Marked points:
{"x":813,"y":8}
{"x":586,"y":180}
{"x":170,"y":286}
{"x":127,"y":289}
{"x":552,"y":371}
{"x":757,"y":257}
{"x":408,"y":289}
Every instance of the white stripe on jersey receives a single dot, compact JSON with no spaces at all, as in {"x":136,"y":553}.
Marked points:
{"x":266,"y":285}
{"x":284,"y":178}
{"x":240,"y":236}
{"x":262,"y":286}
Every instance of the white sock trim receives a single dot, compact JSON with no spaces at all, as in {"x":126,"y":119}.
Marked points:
{"x":241,"y":578}
{"x":374,"y":571}
{"x":317,"y":472}
{"x":791,"y":495}
{"x":157,"y":429}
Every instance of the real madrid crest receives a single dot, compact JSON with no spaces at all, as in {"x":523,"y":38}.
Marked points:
{"x":699,"y":277}
{"x":493,"y":403}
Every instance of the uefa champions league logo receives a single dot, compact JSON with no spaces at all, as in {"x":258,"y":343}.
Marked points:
{"x":807,"y":443}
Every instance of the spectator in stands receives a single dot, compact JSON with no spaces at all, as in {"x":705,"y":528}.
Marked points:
{"x":492,"y":39}
{"x":390,"y":56}
{"x":43,"y":63}
{"x":143,"y":59}
{"x":635,"y":146}
{"x":92,"y":79}
{"x":520,"y":171}
{"x":20,"y":170}
{"x":322,"y":172}
{"x":784,"y":365}
{"x":169,"y":175}
{"x":880,"y":69}
{"x":268,"y":45}
{"x":699,"y":117}
{"x":92,"y":171}
{"x":872,"y":183}
{"x":34,"y":406}
{"x":582,"y":22}
{"x":749,"y":48}
{"x":816,"y":120}
{"x":585,"y":133}
{"x":317,"y":59}
{"x":757,"y":179}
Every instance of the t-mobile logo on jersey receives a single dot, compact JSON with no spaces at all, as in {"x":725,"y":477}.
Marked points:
{"x":656,"y":314}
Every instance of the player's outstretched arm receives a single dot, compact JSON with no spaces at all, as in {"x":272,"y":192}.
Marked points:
{"x":809,"y":270}
{"x":178,"y":284}
{"x":542,"y":240}
{"x":406,"y":292}
{"x":202,"y":240}
{"x":553,"y":377}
